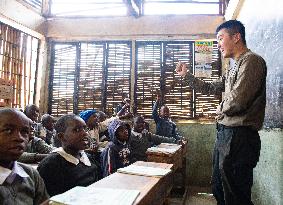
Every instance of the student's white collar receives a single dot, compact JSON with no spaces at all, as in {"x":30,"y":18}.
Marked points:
{"x":9,"y":175}
{"x":137,"y":134}
{"x":70,"y":158}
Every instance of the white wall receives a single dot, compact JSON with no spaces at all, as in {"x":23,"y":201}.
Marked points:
{"x":264,"y":34}
{"x":20,"y":14}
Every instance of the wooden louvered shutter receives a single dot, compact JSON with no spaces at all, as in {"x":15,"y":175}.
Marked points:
{"x":118,"y":80}
{"x":62,"y":79}
{"x":205,"y":105}
{"x":18,"y":63}
{"x":177,"y":96}
{"x":148,"y":75}
{"x":90,"y":84}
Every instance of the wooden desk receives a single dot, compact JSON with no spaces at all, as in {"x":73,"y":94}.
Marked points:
{"x":153,"y":190}
{"x":174,"y":158}
{"x":179,"y":161}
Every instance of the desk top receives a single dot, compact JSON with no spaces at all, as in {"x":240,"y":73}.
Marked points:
{"x":148,"y":186}
{"x":153,"y":190}
{"x":167,"y":153}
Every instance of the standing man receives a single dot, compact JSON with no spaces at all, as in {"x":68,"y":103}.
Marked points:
{"x":239,"y":116}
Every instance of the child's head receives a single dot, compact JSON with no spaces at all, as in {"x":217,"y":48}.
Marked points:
{"x":90,"y":118}
{"x":164,"y":112}
{"x":14,"y":134}
{"x":32,"y":112}
{"x":118,"y":130}
{"x":72,"y":132}
{"x":139,"y":124}
{"x":48,"y":122}
{"x":101,"y":116}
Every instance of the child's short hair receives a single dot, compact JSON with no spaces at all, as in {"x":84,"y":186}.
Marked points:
{"x":45,"y":118}
{"x":61,"y":124}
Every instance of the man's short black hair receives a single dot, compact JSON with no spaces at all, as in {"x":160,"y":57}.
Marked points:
{"x":61,"y":124}
{"x":232,"y":27}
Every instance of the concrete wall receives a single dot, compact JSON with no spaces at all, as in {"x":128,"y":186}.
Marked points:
{"x":201,"y":137}
{"x":147,"y":27}
{"x":264,"y":33}
{"x":268,"y":174}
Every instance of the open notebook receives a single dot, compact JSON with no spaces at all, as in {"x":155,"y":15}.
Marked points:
{"x":144,"y":170}
{"x":95,"y":196}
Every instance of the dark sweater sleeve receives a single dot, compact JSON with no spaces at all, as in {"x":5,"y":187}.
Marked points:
{"x":41,"y":194}
{"x":157,"y":139}
{"x":51,"y":172}
{"x":155,"y":115}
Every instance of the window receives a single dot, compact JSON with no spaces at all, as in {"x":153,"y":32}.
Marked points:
{"x":35,"y":4}
{"x":163,"y":7}
{"x":89,"y":76}
{"x":156,"y":62}
{"x":155,"y":74}
{"x":19,"y":62}
{"x":97,"y":75}
{"x":88,"y":8}
{"x":135,"y":7}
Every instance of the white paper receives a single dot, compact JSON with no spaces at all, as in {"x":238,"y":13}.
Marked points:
{"x":144,"y":170}
{"x":96,"y":196}
{"x":170,"y":150}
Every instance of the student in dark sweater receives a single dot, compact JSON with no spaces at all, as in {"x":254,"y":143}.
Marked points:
{"x":19,"y":184}
{"x":69,"y":166}
{"x":117,"y":154}
{"x":141,"y":139}
{"x":164,"y":125}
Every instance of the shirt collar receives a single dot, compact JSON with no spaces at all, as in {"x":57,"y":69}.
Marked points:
{"x":9,"y":175}
{"x":137,"y":134}
{"x":70,"y":158}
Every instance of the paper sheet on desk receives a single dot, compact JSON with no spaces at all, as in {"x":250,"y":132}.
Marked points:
{"x":144,"y":171}
{"x":95,"y":196}
{"x":163,"y":150}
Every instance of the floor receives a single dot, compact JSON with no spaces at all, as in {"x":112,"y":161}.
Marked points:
{"x":195,"y":196}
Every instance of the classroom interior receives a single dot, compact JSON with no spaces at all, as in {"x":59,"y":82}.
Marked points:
{"x":131,"y":48}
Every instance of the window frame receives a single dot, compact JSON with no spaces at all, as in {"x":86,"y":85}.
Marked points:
{"x":23,"y":63}
{"x":133,"y":79}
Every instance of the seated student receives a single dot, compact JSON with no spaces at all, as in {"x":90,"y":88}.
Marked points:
{"x":19,"y":183}
{"x":102,"y":125}
{"x":90,"y":118}
{"x":47,"y":122}
{"x":69,"y":166}
{"x":164,"y":125}
{"x":32,"y":112}
{"x":117,"y":153}
{"x":141,"y":140}
{"x":36,"y":150}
